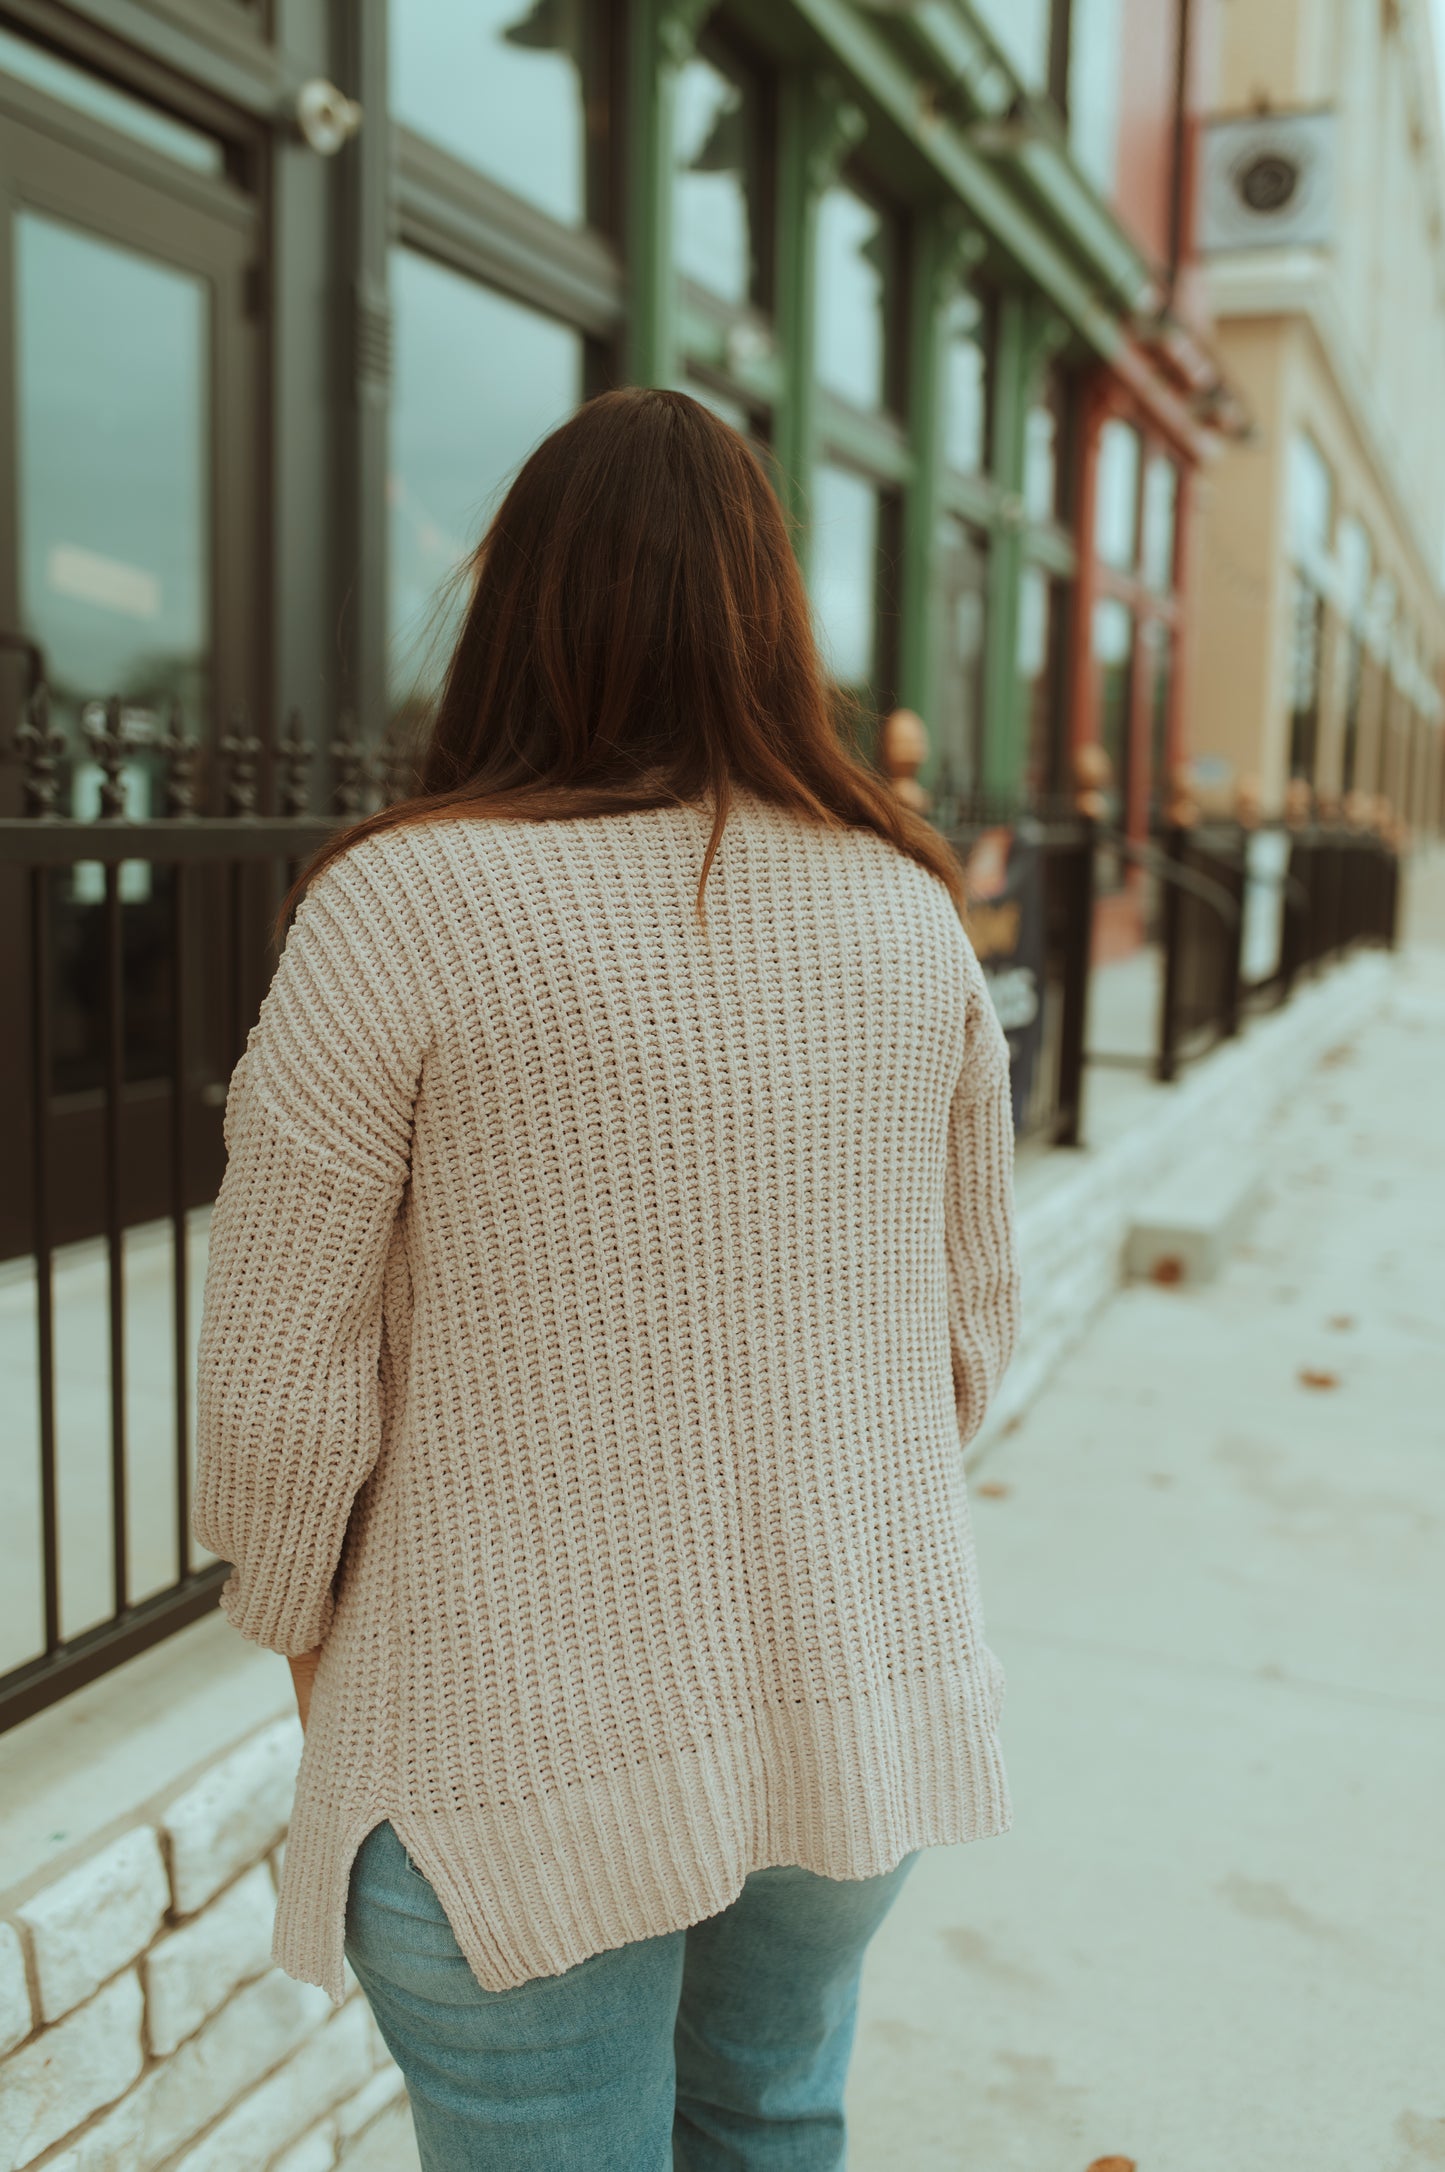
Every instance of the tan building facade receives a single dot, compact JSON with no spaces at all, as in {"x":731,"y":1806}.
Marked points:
{"x":1319,"y":622}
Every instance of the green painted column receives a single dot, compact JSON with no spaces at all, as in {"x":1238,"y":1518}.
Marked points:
{"x":818,"y":126}
{"x":946,"y":247}
{"x":1029,"y":331}
{"x":1002,"y":763}
{"x":662,"y":35}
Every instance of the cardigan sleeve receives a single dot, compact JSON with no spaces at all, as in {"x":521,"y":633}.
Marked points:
{"x":318,"y":1130}
{"x":983,"y":1276}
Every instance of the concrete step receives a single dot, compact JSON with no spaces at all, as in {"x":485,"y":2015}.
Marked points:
{"x":1183,"y":1230}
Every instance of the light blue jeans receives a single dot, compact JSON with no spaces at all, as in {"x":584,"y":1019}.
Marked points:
{"x":725,"y":2045}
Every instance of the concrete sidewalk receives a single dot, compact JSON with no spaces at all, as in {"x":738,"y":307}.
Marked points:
{"x":1216,"y":1934}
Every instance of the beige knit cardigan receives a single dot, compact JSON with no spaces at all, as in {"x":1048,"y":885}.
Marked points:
{"x":597,"y":1308}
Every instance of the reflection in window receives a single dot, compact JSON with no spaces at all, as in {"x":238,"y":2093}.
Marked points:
{"x":958,"y":700}
{"x":113,"y":503}
{"x":844,"y":573}
{"x":716,"y":151}
{"x":1116,"y":509}
{"x":1113,"y":646}
{"x":1096,"y":47}
{"x":479,"y":380}
{"x":1044,"y":473}
{"x":498,"y":83}
{"x":1161,"y":500}
{"x":855,"y":280}
{"x":966,"y":384}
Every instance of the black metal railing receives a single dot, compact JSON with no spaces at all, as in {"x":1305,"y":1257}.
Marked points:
{"x":1245,"y":911}
{"x":111,"y":921}
{"x":1032,"y":923}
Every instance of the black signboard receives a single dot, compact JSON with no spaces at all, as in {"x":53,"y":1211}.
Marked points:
{"x":1005,"y":874}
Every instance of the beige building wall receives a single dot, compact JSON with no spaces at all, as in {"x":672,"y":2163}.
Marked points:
{"x":1346,"y":344}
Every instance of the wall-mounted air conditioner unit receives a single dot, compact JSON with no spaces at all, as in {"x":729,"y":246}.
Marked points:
{"x":1267,"y":180}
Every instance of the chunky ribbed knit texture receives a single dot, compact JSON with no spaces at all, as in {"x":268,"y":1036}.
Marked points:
{"x":597,"y":1308}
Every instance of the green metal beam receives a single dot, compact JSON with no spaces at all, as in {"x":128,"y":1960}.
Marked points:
{"x":965,"y":172}
{"x":1033,"y":145}
{"x":818,"y":125}
{"x":918,"y":603}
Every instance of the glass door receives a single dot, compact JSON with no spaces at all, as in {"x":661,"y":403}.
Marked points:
{"x":129,"y":450}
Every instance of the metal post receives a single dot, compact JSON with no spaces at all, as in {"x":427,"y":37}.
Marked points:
{"x":1074,"y":1018}
{"x":1166,"y":1063}
{"x":1232,"y":872}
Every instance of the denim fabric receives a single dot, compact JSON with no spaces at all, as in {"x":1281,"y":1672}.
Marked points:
{"x":722,"y":2046}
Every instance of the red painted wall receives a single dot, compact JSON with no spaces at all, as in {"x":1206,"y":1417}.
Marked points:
{"x":1149,"y":64}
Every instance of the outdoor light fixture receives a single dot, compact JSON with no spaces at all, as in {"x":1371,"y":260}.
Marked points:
{"x":326,"y":117}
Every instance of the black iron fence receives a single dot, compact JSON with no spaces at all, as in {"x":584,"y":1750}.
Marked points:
{"x":1244,"y":912}
{"x":137,"y":954}
{"x":1031,"y":891}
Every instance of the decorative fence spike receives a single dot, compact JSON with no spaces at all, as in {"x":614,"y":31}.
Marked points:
{"x":182,"y":759}
{"x":393,"y":766}
{"x":294,"y":757}
{"x":110,"y":743}
{"x":41,"y":747}
{"x":349,"y":756}
{"x":241,"y":752}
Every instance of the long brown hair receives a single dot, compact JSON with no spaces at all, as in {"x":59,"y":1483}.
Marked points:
{"x":638,"y":635}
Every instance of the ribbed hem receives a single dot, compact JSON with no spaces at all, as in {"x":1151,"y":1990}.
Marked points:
{"x":843,"y":1789}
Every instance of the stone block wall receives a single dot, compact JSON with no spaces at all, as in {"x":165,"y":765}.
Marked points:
{"x":143,"y":2026}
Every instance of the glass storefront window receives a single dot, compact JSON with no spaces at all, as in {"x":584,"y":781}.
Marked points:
{"x":844,"y":572}
{"x":1044,"y":451}
{"x":1021,"y":29}
{"x":499,"y":84}
{"x":89,"y":94}
{"x":1354,"y":702}
{"x":958,"y":701}
{"x":722,"y":403}
{"x":114,"y":513}
{"x":479,"y":379}
{"x":114,"y":498}
{"x":1355,"y":560}
{"x":1308,"y":634}
{"x":1311,"y":500}
{"x":717,"y":146}
{"x":1113,"y":647}
{"x":1042,"y":600}
{"x":1161,"y":502}
{"x":1095,"y":81}
{"x":966,"y":384}
{"x":1116,"y":507}
{"x":856,"y":280}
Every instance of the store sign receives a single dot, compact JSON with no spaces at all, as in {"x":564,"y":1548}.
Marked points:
{"x":1266,"y":872}
{"x":1004,"y":872}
